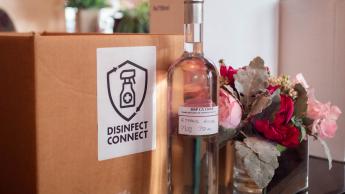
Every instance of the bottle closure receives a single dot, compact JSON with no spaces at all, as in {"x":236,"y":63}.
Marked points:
{"x":193,"y":11}
{"x":193,"y":20}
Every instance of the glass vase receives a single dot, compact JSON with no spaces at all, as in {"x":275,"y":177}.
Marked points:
{"x":242,"y":182}
{"x":290,"y":177}
{"x":292,"y":174}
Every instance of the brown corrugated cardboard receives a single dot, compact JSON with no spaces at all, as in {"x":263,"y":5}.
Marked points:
{"x":166,"y":16}
{"x":48,"y":135}
{"x":17,"y":112}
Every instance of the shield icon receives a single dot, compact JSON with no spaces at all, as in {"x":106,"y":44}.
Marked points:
{"x":127,"y":86}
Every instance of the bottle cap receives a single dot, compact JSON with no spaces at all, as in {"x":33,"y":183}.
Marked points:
{"x":191,"y":1}
{"x":193,"y":11}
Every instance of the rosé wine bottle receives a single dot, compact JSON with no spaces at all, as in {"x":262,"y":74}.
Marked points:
{"x":193,"y":114}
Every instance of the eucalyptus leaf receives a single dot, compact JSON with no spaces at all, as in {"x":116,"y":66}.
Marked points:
{"x":251,"y":81}
{"x":225,"y":135}
{"x":300,"y":107}
{"x":308,"y":121}
{"x":270,"y":111}
{"x":260,"y":103}
{"x":266,"y":151}
{"x":259,"y":159}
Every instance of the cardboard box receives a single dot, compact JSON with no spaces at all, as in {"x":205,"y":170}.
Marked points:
{"x":48,"y":117}
{"x":166,"y":16}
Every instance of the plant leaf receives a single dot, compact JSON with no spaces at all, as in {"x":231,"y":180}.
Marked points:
{"x":303,"y":133}
{"x":259,"y":158}
{"x":299,"y":124}
{"x":266,"y":151}
{"x":225,"y":135}
{"x":307,"y":121}
{"x":280,"y":148}
{"x":270,"y":111}
{"x":251,"y":81}
{"x":300,"y":107}
{"x":260,"y":103}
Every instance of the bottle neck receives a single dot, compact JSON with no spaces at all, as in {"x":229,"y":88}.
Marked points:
{"x":193,"y":38}
{"x":193,"y":27}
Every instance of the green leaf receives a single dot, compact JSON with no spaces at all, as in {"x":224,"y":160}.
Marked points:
{"x":303,"y":133}
{"x":251,"y":81}
{"x":135,"y":20}
{"x":87,"y":4}
{"x":280,"y":148}
{"x":300,"y":107}
{"x":299,"y":124}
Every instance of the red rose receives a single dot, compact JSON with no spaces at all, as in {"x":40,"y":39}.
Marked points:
{"x":280,"y":130}
{"x":287,"y":135}
{"x":228,"y":72}
{"x":286,"y":110}
{"x":271,"y":89}
{"x":231,"y":73}
{"x":223,"y":70}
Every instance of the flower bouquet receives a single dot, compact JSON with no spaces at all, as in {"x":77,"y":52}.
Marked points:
{"x":269,"y":115}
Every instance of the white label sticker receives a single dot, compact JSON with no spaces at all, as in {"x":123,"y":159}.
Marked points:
{"x":198,"y":120}
{"x":126,"y":98}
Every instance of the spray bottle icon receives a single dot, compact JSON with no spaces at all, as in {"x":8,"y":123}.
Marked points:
{"x":127,"y":95}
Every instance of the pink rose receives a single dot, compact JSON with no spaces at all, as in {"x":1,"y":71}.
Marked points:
{"x":230,"y":111}
{"x":300,"y":79}
{"x":324,"y":116}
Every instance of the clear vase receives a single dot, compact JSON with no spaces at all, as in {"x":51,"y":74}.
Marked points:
{"x":242,"y":182}
{"x":226,"y":160}
{"x":290,"y":177}
{"x":292,"y":174}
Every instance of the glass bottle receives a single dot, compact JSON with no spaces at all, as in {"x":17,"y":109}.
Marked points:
{"x":193,"y":113}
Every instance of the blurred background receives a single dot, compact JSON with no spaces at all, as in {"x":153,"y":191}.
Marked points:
{"x":105,"y":16}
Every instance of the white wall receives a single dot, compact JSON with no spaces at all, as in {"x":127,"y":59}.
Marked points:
{"x":306,"y":35}
{"x":312,"y":41}
{"x":239,"y":30}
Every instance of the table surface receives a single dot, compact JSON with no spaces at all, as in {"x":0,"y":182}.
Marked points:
{"x":324,"y":181}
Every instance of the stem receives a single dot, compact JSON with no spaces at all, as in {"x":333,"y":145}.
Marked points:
{"x":197,"y":165}
{"x":243,"y":134}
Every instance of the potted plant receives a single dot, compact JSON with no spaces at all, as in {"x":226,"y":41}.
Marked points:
{"x":273,"y":116}
{"x":87,"y":13}
{"x":134,"y":20}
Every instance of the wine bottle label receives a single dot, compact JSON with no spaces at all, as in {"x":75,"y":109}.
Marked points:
{"x":198,"y":120}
